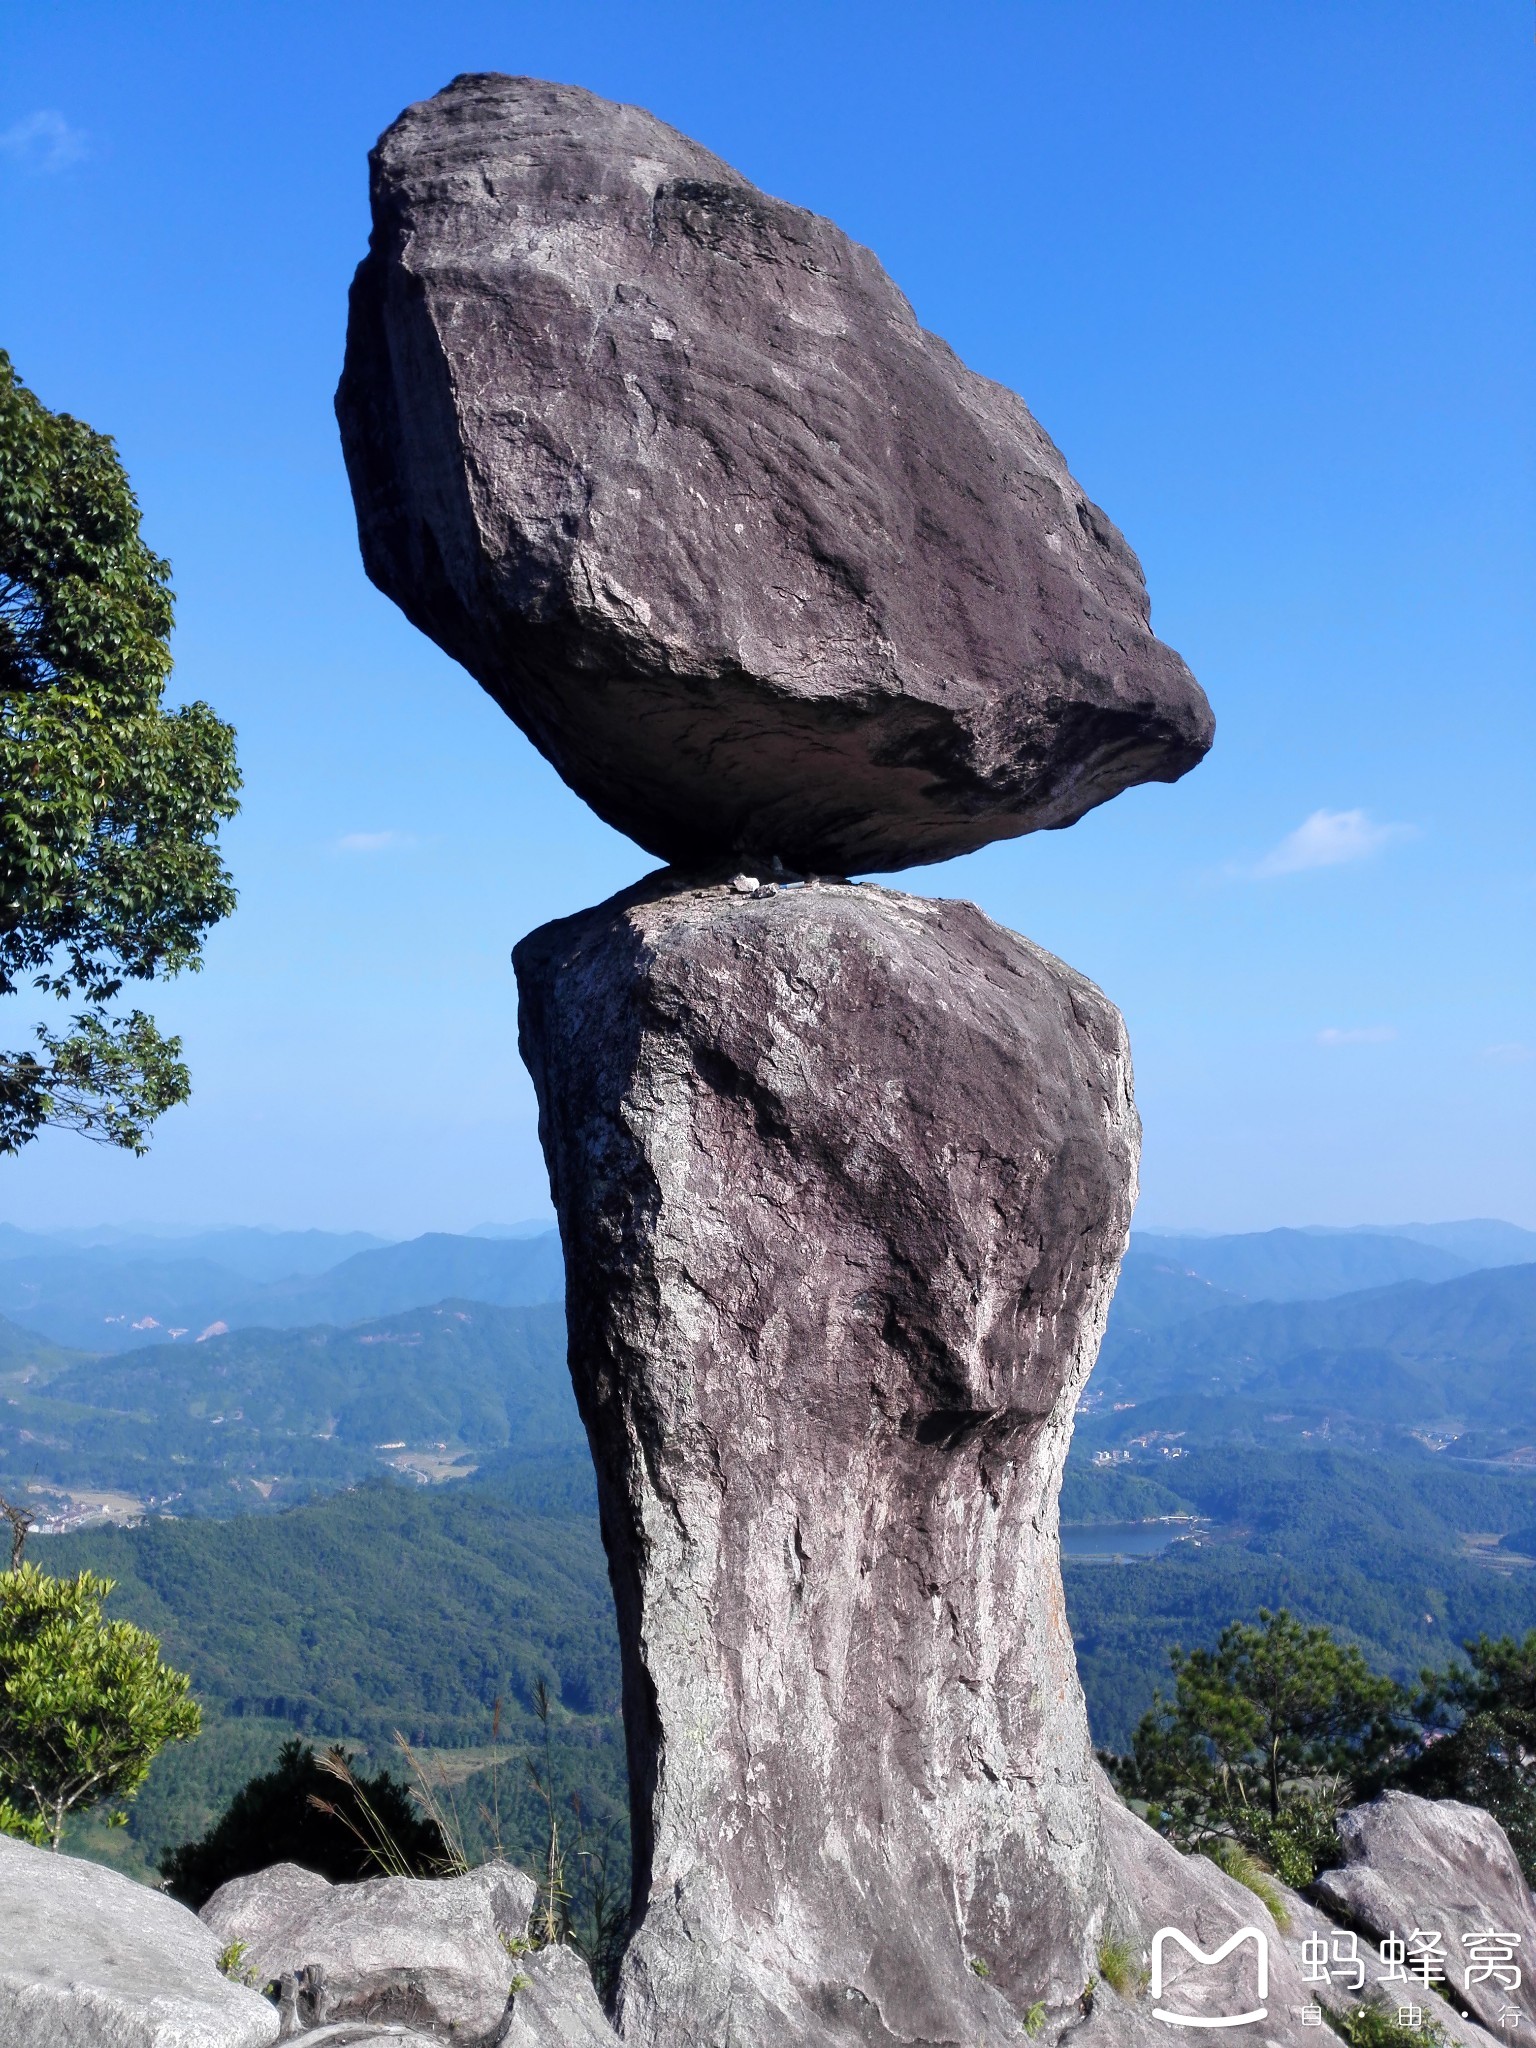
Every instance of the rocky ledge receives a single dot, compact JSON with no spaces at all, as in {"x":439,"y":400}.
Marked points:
{"x":90,"y":1959}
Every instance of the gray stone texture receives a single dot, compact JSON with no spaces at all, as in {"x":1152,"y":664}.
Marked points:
{"x":89,"y":1959}
{"x":1153,"y":1886}
{"x":426,"y":1953}
{"x":843,"y":1179}
{"x":755,"y":561}
{"x":363,"y":2034}
{"x":1436,"y":1866}
{"x":557,"y":2007}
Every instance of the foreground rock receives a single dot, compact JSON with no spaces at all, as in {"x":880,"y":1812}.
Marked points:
{"x":430,"y":1954}
{"x":843,"y":1179}
{"x":1433,"y":1867}
{"x":89,"y":1959}
{"x":556,"y":2006}
{"x":757,"y":563}
{"x":1313,"y":1962}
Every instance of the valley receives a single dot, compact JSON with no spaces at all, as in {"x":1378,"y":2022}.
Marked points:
{"x":353,"y":1529}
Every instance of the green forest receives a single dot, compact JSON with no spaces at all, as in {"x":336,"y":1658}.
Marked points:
{"x":264,"y":1418}
{"x":310,"y":1590}
{"x":390,"y":1609}
{"x":402,"y":1608}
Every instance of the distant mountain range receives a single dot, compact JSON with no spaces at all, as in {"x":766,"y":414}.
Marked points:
{"x":305,"y":1384}
{"x":1309,"y":1265}
{"x":105,"y":1298}
{"x":1368,"y":1458}
{"x":254,"y":1254}
{"x":1447,"y":1365}
{"x":107,"y":1290}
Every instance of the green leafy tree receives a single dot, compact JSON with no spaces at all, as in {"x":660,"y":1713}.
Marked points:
{"x":1480,"y":1738}
{"x":314,"y":1811}
{"x":85,"y":1703}
{"x":110,"y":804}
{"x":1265,"y":1737}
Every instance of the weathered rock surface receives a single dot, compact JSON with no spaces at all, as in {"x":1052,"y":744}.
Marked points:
{"x":671,"y":468}
{"x":1433,"y":1866}
{"x":557,"y":2007}
{"x":363,"y":2034}
{"x":427,"y":1953}
{"x":1313,"y":1960}
{"x":89,"y":1959}
{"x":843,"y":1178}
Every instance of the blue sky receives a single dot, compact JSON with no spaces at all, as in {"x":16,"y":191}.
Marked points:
{"x":1265,"y":273}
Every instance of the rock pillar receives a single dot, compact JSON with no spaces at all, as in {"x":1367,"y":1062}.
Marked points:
{"x":843,"y":1179}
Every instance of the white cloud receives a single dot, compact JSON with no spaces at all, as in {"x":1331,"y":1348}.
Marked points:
{"x":43,"y":141}
{"x":1329,"y":839}
{"x":1367,"y":1034}
{"x":1512,"y":1054}
{"x":373,"y":842}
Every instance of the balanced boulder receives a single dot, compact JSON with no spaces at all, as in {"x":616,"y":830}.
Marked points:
{"x":670,"y":466}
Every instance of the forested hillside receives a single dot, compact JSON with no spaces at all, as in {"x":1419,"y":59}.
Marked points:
{"x":1402,"y":1554}
{"x":260,"y":1418}
{"x":390,"y":1608}
{"x":393,"y":1607}
{"x":1368,"y":1461}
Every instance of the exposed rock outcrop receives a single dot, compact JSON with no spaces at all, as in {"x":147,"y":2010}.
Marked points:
{"x":89,"y":1959}
{"x":758,"y":564}
{"x":556,"y":2006}
{"x":426,"y":1953}
{"x":843,"y":1179}
{"x":1314,"y":1962}
{"x":1417,"y":1868}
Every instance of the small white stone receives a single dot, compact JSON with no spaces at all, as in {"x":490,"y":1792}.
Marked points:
{"x":744,"y":885}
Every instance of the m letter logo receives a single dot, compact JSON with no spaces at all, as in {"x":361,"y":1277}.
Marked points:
{"x":1188,"y":1983}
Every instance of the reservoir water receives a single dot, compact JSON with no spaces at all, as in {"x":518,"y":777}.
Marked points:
{"x":1106,"y":1541}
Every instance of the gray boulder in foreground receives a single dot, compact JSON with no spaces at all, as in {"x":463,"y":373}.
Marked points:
{"x":89,"y":1959}
{"x":755,"y":561}
{"x":1153,"y":1886}
{"x":1435,"y":1866}
{"x":557,"y":2006}
{"x":426,"y":1953}
{"x":843,"y":1177}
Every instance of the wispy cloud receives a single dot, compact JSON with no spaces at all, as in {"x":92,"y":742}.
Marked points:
{"x":43,"y":141}
{"x":1329,"y":839}
{"x":373,"y":842}
{"x":1366,"y":1034}
{"x":1511,"y":1054}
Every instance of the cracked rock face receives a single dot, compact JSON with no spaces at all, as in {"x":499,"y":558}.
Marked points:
{"x":843,"y":1179}
{"x":754,"y":560}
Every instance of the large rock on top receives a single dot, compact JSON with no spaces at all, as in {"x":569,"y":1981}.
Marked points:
{"x":672,"y":469}
{"x":843,"y":1179}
